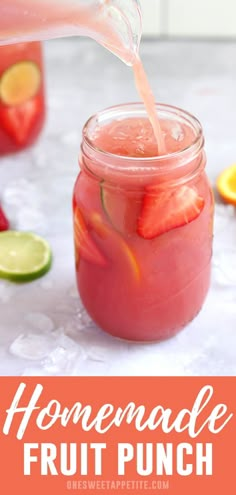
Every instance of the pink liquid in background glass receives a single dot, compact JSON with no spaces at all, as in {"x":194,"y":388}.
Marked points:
{"x":21,"y":124}
{"x":145,"y":290}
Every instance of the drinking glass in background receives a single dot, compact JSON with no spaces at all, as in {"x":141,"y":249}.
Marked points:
{"x":22,"y":98}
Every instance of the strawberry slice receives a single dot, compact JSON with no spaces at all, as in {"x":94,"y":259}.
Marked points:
{"x":4,"y":224}
{"x":164,"y":211}
{"x":19,"y":120}
{"x":84,"y":244}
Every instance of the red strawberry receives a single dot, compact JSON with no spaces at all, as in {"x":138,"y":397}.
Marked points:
{"x":18,"y":121}
{"x":4,"y":224}
{"x":164,"y":211}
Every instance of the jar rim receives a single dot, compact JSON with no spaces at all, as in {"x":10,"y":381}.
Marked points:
{"x":155,"y":162}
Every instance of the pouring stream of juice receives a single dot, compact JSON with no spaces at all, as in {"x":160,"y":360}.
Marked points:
{"x":115,"y":24}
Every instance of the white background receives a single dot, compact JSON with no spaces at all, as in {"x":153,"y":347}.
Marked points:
{"x":190,"y":18}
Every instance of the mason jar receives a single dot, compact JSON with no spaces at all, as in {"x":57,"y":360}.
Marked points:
{"x":22,"y":104}
{"x":142,"y":225}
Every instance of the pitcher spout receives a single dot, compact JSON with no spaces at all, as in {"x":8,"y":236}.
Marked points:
{"x":115,"y":24}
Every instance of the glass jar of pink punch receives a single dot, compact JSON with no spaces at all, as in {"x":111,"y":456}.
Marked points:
{"x":142,"y":222}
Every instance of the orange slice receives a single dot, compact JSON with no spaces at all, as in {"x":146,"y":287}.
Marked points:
{"x":226,"y":184}
{"x":84,"y":244}
{"x":117,"y":245}
{"x":20,"y":83}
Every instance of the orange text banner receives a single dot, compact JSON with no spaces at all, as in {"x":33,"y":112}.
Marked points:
{"x":117,"y":435}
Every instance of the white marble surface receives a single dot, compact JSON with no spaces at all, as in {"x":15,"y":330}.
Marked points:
{"x":43,"y":329}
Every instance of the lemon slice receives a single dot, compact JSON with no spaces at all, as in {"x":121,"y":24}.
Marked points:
{"x":226,"y":184}
{"x":19,"y":83}
{"x":23,"y":256}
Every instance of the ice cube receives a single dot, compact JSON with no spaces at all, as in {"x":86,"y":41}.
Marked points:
{"x":83,"y":318}
{"x":97,"y":353}
{"x":56,"y":352}
{"x":40,"y":321}
{"x":33,"y":347}
{"x":177,"y":132}
{"x":65,"y":357}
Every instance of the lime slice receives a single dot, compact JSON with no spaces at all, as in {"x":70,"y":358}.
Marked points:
{"x":23,"y":256}
{"x":122,"y":210}
{"x":20,"y":83}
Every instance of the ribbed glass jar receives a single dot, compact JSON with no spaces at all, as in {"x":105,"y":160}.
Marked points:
{"x":143,"y":230}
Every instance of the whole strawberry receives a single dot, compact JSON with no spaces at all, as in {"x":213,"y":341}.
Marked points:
{"x":4,"y":224}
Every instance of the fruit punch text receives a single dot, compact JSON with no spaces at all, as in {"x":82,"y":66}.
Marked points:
{"x":63,"y":431}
